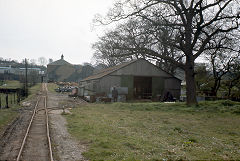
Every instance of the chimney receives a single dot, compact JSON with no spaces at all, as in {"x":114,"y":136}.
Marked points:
{"x":62,"y":57}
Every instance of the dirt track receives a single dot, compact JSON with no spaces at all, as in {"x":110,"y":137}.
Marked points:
{"x":64,"y":146}
{"x":11,"y":140}
{"x":36,"y":147}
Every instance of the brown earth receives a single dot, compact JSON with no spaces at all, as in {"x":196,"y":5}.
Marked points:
{"x":11,"y":139}
{"x":36,"y":147}
{"x":64,"y":146}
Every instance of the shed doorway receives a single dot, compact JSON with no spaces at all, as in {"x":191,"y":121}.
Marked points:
{"x":142,"y":87}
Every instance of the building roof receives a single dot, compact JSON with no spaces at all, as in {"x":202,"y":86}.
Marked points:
{"x":107,"y":71}
{"x":30,"y":69}
{"x":110,"y":70}
{"x":5,"y":67}
{"x":60,"y":62}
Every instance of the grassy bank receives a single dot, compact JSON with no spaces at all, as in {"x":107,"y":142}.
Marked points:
{"x":11,"y":84}
{"x":7,"y":115}
{"x":33,"y":90}
{"x":52,"y":87}
{"x":156,"y":131}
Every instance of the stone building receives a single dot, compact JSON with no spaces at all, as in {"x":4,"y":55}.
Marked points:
{"x":63,"y":71}
{"x":59,"y":70}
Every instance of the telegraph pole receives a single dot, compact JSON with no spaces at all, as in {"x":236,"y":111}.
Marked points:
{"x":26,"y":79}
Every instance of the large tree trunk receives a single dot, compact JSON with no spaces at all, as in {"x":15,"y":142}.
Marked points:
{"x":229,"y":90}
{"x":190,"y":83}
{"x":215,"y":87}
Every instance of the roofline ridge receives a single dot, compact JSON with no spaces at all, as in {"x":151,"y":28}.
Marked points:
{"x":127,"y":63}
{"x":60,"y":60}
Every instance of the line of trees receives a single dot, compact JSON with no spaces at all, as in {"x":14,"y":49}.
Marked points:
{"x":40,"y":62}
{"x":220,"y":77}
{"x":175,"y":33}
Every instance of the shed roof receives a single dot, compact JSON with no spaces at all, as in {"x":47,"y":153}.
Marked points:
{"x":110,"y":70}
{"x":107,"y":71}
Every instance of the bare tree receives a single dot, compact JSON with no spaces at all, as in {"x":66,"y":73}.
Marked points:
{"x":106,"y":51}
{"x":220,"y":63}
{"x":50,"y":60}
{"x":222,"y":55}
{"x":33,"y":61}
{"x":233,"y":77}
{"x":193,"y":23}
{"x":111,"y":48}
{"x":42,"y":61}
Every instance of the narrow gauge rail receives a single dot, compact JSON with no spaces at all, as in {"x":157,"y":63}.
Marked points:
{"x":36,"y":144}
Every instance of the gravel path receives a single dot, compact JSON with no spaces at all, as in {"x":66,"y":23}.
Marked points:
{"x":65,"y":147}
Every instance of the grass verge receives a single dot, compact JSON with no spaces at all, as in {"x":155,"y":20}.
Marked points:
{"x":7,"y":115}
{"x":11,"y":84}
{"x":156,"y":131}
{"x":52,"y":87}
{"x":34,"y":89}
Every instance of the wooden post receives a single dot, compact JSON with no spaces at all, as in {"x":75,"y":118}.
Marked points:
{"x":0,"y":101}
{"x":7,"y":101}
{"x":11,"y":99}
{"x":26,"y":78}
{"x":14,"y":98}
{"x":18,"y":96}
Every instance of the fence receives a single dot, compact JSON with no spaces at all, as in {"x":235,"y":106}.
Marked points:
{"x":10,"y":97}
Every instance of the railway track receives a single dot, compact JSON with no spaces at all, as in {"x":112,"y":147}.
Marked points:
{"x":36,"y":144}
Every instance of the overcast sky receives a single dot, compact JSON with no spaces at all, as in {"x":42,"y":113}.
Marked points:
{"x":34,"y":28}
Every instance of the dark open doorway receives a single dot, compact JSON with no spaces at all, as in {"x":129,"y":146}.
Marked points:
{"x":143,"y":87}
